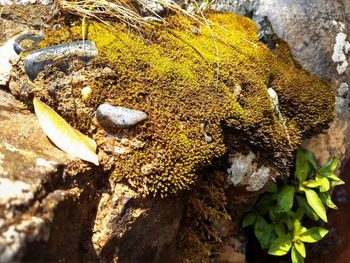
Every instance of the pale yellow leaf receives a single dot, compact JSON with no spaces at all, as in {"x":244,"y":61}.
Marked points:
{"x":63,"y":135}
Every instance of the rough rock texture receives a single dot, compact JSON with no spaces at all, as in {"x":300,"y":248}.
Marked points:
{"x":311,"y":29}
{"x":134,"y":229}
{"x":52,"y":212}
{"x":243,"y":171}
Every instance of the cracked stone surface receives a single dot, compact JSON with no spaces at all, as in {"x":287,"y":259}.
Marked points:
{"x":54,"y":207}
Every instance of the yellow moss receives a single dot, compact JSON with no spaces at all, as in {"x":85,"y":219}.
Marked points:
{"x":185,"y":81}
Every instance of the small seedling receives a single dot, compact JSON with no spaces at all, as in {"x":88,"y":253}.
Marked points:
{"x":277,"y":217}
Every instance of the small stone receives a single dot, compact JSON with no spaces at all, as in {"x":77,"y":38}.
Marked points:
{"x":208,"y":138}
{"x":196,"y":30}
{"x":86,"y":92}
{"x":237,"y":90}
{"x":113,"y":117}
{"x":343,"y":90}
{"x":274,"y":97}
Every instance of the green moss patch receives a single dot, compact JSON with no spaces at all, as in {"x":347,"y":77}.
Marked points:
{"x":192,"y":81}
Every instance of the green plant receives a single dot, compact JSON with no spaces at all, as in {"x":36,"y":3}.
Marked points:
{"x":278,"y":216}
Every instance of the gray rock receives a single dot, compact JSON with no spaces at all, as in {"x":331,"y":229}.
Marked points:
{"x":316,"y":30}
{"x":309,"y":26}
{"x":28,"y":164}
{"x":341,"y":105}
{"x":242,"y":7}
{"x":266,"y":33}
{"x":208,"y":138}
{"x":343,"y":90}
{"x":340,"y":50}
{"x":150,"y":7}
{"x":243,"y":171}
{"x":113,"y":117}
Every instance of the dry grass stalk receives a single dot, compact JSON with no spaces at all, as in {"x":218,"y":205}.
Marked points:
{"x":128,"y":12}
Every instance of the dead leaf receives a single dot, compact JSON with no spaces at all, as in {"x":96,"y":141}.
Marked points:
{"x":63,"y":135}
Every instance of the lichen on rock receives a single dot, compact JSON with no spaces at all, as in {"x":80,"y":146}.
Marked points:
{"x":185,"y":81}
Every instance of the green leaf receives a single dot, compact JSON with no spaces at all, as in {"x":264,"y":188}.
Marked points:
{"x":316,"y":203}
{"x":272,"y":214}
{"x":289,"y":221}
{"x":311,"y":158}
{"x":264,"y":204}
{"x":296,"y":228}
{"x":273,"y":188}
{"x":280,"y":246}
{"x":263,"y":232}
{"x":299,"y":214}
{"x":301,"y":188}
{"x":333,"y":164}
{"x":311,"y":183}
{"x":300,"y":247}
{"x":303,"y":229}
{"x":249,"y":219}
{"x":295,"y":255}
{"x":274,"y":196}
{"x":280,"y":229}
{"x":324,"y":183}
{"x":326,"y":199}
{"x":335,"y":183}
{"x":286,"y":198}
{"x":301,"y":166}
{"x":330,"y":166}
{"x":308,"y":210}
{"x":313,"y":234}
{"x":332,"y":176}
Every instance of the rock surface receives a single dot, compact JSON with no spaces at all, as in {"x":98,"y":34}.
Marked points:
{"x":51,"y":212}
{"x":133,"y":229}
{"x":244,"y":171}
{"x":112,"y":117}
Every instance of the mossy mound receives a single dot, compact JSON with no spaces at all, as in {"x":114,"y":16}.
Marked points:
{"x":192,"y":81}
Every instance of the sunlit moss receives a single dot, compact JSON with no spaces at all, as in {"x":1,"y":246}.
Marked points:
{"x":184,"y":76}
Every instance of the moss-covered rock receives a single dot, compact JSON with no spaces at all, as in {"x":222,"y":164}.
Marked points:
{"x":192,"y":81}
